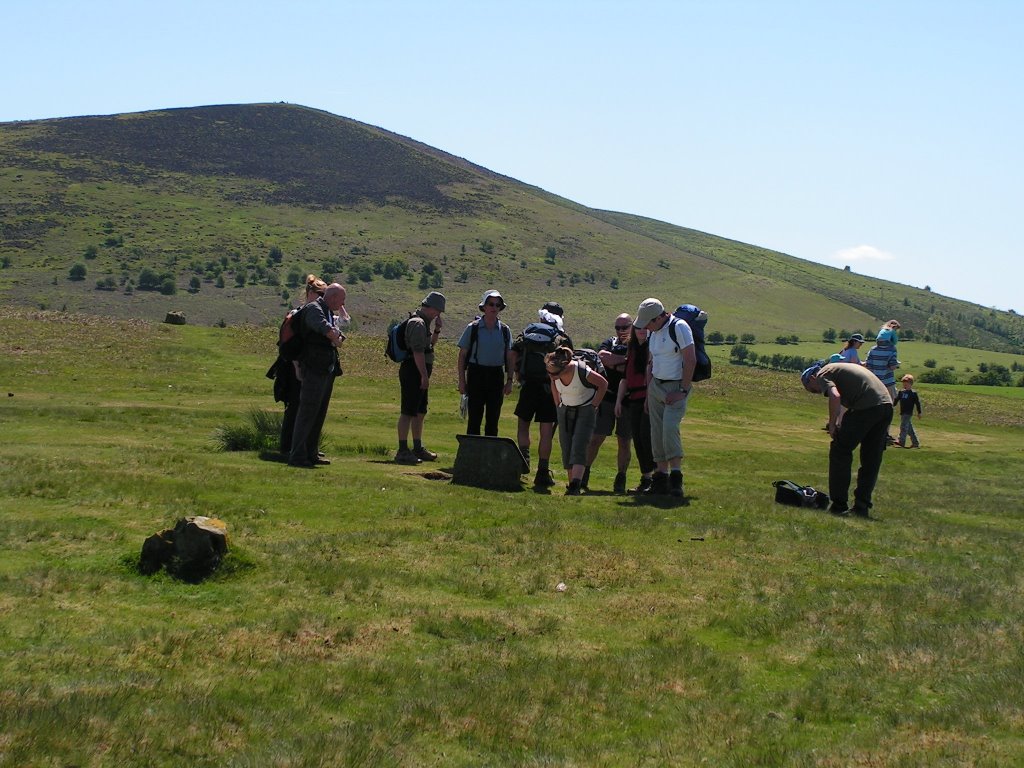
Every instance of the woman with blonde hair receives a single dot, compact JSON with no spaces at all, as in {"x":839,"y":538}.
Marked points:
{"x":577,"y":391}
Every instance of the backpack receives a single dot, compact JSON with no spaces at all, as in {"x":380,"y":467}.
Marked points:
{"x":788,"y":492}
{"x":696,"y":318}
{"x":474,"y":336}
{"x":591,"y":360}
{"x":395,"y":348}
{"x":536,"y":341}
{"x":290,"y":335}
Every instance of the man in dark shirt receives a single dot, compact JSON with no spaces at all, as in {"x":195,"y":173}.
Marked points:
{"x":318,"y":367}
{"x":613,"y":355}
{"x":865,"y":423}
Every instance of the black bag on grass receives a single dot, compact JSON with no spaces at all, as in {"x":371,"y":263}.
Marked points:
{"x":788,"y":492}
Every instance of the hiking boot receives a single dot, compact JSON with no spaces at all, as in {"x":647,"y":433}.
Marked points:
{"x":659,"y":485}
{"x":839,"y":510}
{"x":645,"y":483}
{"x":620,"y":483}
{"x":322,"y":461}
{"x":574,"y":489}
{"x":423,"y":454}
{"x":544,"y":479}
{"x":302,"y":464}
{"x":675,"y":485}
{"x":861,"y":511}
{"x":407,"y":457}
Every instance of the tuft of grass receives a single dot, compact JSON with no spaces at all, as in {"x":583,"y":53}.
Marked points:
{"x":261,"y":433}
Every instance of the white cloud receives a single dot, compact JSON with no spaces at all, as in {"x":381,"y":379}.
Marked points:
{"x":861,"y":253}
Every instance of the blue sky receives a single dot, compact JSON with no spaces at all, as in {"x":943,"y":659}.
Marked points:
{"x":884,"y":136}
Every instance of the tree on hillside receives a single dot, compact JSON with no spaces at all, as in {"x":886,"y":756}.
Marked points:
{"x":77,"y":272}
{"x":829,"y":336}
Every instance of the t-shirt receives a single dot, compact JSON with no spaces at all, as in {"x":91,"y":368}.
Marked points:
{"x":859,"y":389}
{"x":666,"y":355}
{"x":882,"y":362}
{"x":491,"y":344}
{"x":614,"y":374}
{"x":417,"y":337}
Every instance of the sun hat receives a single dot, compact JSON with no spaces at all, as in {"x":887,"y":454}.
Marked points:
{"x":856,"y":337}
{"x":489,"y":295}
{"x":554,"y":308}
{"x":434,"y":300}
{"x":648,"y":310}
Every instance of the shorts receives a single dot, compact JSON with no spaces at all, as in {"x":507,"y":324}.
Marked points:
{"x":536,"y":404}
{"x":606,"y":422}
{"x":414,"y":399}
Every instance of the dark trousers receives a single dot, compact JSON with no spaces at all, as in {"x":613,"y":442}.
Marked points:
{"x":640,"y":424}
{"x":868,"y":429}
{"x":314,"y":398}
{"x":485,"y":386}
{"x":291,"y":409}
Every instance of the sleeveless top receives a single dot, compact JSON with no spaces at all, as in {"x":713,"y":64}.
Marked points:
{"x":575,"y":393}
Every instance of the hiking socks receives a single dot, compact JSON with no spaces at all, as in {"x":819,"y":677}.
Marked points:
{"x":675,"y":483}
{"x":620,"y":483}
{"x":575,"y":488}
{"x":585,"y":481}
{"x":403,"y":445}
{"x":417,"y":445}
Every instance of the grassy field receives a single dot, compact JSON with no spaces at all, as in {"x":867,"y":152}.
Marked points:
{"x":374,"y":615}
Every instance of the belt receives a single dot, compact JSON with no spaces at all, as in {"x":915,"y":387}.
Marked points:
{"x":665,"y":381}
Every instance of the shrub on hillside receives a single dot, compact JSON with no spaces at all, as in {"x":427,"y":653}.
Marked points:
{"x":77,"y":272}
{"x":942,"y":375}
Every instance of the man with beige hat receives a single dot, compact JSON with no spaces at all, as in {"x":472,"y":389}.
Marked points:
{"x":414,"y":378}
{"x":672,"y":358}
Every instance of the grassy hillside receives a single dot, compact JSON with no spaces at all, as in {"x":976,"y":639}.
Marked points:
{"x":371,"y":615}
{"x":239,"y":202}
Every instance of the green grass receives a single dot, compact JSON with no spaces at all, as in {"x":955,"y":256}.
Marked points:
{"x":369,"y":615}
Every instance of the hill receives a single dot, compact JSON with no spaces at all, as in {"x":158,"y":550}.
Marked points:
{"x":225,"y":208}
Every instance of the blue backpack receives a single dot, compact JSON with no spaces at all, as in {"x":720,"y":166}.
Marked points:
{"x":697,"y":319}
{"x":395,"y":349}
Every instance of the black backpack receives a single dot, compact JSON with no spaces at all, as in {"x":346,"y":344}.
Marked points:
{"x":536,"y":341}
{"x":697,"y":319}
{"x":592,"y":360}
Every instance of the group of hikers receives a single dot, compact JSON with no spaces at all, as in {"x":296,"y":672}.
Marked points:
{"x":636,"y":385}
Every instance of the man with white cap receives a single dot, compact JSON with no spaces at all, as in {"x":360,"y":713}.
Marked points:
{"x":672,"y":358}
{"x":486,"y":365}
